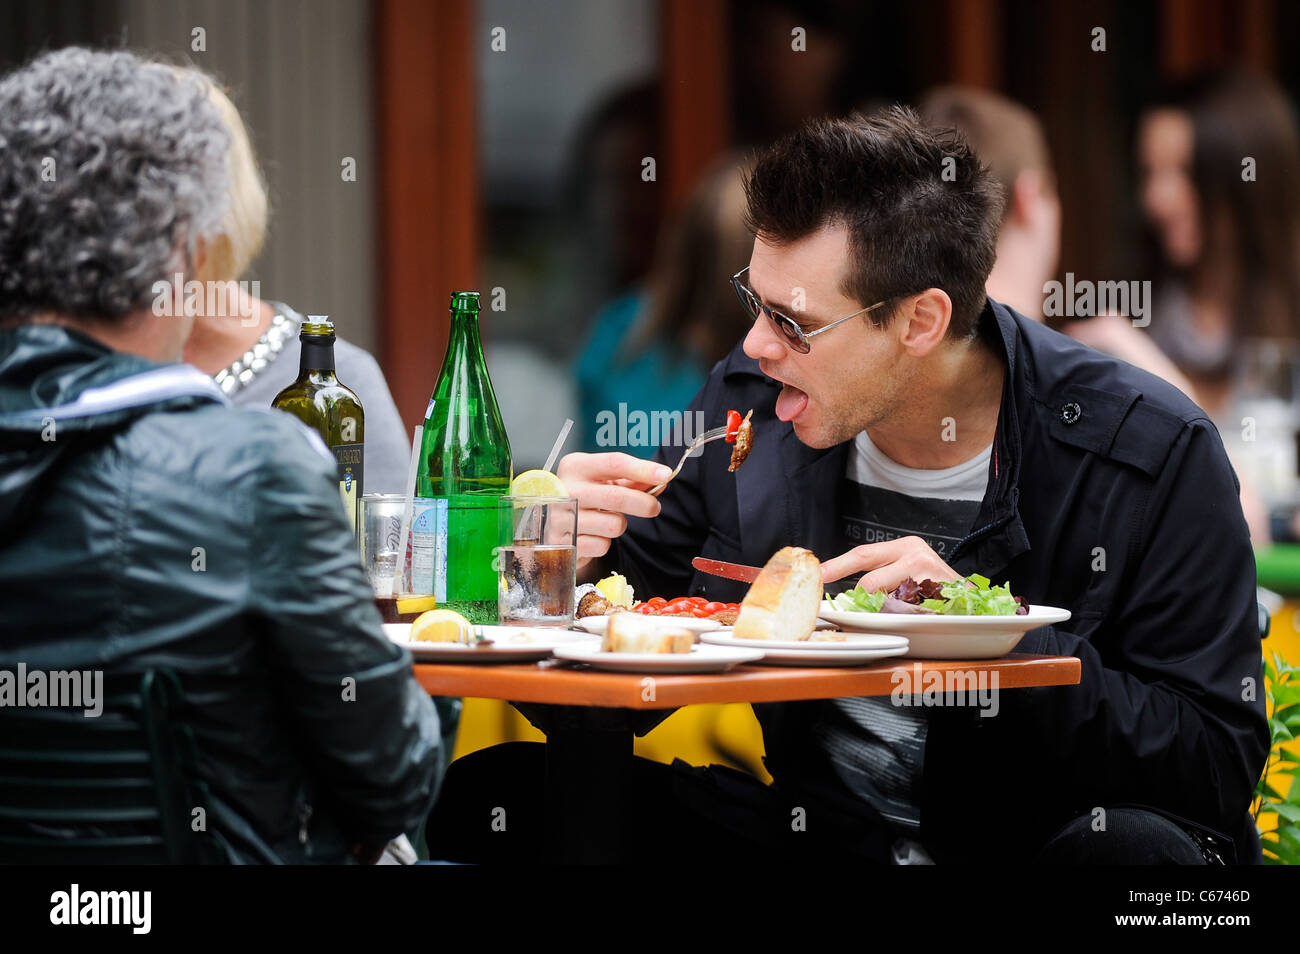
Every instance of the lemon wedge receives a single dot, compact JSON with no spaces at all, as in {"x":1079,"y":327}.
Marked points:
{"x":616,"y":589}
{"x":441,"y":626}
{"x":538,"y":483}
{"x":415,"y":604}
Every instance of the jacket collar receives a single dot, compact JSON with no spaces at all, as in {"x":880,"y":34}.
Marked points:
{"x":998,"y":535}
{"x":55,"y":373}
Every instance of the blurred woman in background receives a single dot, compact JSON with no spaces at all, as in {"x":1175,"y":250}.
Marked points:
{"x":253,"y":353}
{"x":653,"y":348}
{"x":1218,"y":161}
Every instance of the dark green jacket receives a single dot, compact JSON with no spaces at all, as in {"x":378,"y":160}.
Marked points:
{"x":143,"y":522}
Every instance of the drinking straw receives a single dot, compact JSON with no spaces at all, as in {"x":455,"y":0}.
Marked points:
{"x":531,"y":513}
{"x":559,"y":442}
{"x":407,"y":512}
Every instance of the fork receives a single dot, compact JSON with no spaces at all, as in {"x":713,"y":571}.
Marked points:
{"x":694,"y":445}
{"x":476,"y":638}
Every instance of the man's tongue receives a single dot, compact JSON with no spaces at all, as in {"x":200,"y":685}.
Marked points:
{"x":790,"y":403}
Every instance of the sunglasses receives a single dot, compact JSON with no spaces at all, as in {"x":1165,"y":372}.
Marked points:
{"x":794,"y":336}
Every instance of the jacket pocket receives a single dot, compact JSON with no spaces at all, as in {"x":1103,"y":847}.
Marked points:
{"x":721,"y":546}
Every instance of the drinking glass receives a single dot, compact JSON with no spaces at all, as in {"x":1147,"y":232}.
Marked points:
{"x":381,"y":529}
{"x":537,"y":570}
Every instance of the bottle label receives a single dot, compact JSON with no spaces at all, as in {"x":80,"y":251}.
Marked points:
{"x":429,"y":547}
{"x":351,"y":459}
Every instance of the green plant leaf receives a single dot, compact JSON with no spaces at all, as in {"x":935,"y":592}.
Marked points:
{"x":1283,"y":853}
{"x":1286,"y":693}
{"x":1288,"y":811}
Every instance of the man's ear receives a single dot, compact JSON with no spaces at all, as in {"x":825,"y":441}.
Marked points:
{"x":925,"y":320}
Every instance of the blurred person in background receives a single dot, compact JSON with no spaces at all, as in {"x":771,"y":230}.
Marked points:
{"x":121,"y":468}
{"x":654,"y":348}
{"x":254,"y":353}
{"x":1223,"y":246}
{"x":1010,"y":139}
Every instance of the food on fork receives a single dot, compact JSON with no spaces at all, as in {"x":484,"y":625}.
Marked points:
{"x":630,"y":633}
{"x":782,"y":603}
{"x":741,"y":433}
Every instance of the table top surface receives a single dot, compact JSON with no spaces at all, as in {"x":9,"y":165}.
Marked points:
{"x":529,"y":682}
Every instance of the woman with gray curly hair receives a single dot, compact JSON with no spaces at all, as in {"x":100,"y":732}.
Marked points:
{"x":150,"y":531}
{"x":99,"y":202}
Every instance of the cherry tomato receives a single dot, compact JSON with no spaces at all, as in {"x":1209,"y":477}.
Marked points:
{"x":715,"y":607}
{"x":657,"y":601}
{"x":733,"y":426}
{"x":678,"y":606}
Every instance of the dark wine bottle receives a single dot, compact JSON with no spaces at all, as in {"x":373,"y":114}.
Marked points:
{"x":330,"y":408}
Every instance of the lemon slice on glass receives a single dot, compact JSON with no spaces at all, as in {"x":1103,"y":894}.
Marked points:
{"x":415,"y":604}
{"x":441,"y":626}
{"x":537,"y":483}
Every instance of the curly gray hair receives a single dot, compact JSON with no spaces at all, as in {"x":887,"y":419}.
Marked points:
{"x":111,"y":168}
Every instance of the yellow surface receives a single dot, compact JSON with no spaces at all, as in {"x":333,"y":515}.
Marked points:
{"x":1283,"y":639}
{"x":701,"y":735}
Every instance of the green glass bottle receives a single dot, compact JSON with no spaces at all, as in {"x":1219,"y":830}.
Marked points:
{"x":329,"y":408}
{"x":465,"y":468}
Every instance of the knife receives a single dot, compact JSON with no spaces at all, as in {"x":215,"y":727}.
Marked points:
{"x":729,"y":571}
{"x":748,"y":574}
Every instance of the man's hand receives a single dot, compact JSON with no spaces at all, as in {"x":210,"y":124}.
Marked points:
{"x":610,"y":487}
{"x":889,"y":563}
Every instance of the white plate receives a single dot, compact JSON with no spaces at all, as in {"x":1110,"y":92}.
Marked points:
{"x":935,"y":636}
{"x":851,"y":641}
{"x":818,"y":658}
{"x":510,"y":644}
{"x":596,"y":625}
{"x":701,"y":658}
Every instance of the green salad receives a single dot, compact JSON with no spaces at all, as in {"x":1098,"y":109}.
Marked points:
{"x":972,"y":596}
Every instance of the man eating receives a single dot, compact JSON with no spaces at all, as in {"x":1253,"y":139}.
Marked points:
{"x":905,"y":425}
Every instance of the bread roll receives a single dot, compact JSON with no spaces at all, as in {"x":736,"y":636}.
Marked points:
{"x":633,"y":633}
{"x":782,"y":603}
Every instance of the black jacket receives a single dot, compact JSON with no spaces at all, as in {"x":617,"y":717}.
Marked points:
{"x":1090,"y":453}
{"x":145,"y":523}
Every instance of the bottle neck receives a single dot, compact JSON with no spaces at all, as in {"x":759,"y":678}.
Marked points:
{"x":317,"y":354}
{"x":464,"y":334}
